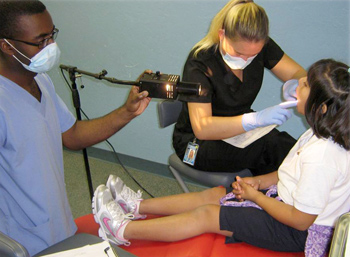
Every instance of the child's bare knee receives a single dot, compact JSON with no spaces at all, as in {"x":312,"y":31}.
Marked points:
{"x":213,"y":195}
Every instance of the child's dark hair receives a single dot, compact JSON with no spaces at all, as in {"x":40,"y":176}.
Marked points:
{"x":10,"y":10}
{"x":329,"y":86}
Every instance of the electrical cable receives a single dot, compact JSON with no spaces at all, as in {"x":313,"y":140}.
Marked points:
{"x":111,"y":146}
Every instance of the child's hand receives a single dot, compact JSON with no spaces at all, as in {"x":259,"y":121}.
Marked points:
{"x":235,"y":185}
{"x":237,"y":190}
{"x":253,"y":181}
{"x":245,"y":191}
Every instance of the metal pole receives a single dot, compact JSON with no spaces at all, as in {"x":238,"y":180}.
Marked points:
{"x":76,"y":102}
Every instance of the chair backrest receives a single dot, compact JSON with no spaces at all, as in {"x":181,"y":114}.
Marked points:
{"x":11,"y":248}
{"x":168,"y":112}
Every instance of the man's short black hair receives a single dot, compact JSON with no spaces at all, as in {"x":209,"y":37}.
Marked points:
{"x":10,"y":10}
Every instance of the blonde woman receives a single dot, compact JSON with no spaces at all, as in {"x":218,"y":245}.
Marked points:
{"x":229,"y":62}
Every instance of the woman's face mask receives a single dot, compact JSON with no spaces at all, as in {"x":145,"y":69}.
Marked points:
{"x":43,"y":61}
{"x":235,"y":62}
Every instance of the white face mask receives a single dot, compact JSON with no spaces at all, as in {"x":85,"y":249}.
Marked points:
{"x":236,"y":63}
{"x":43,"y":61}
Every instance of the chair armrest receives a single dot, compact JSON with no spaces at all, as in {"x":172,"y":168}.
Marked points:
{"x":340,"y":241}
{"x":11,"y":248}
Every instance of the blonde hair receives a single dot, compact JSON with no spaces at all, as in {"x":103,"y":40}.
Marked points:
{"x":239,"y":18}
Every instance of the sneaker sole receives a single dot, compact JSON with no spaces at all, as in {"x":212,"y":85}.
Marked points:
{"x":101,"y":233}
{"x":94,"y":206}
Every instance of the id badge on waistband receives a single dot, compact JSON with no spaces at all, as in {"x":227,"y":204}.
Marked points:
{"x":191,"y":153}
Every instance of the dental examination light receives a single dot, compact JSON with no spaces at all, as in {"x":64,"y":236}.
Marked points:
{"x":158,"y":85}
{"x":164,"y":86}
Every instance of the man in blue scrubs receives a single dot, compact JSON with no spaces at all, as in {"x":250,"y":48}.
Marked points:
{"x":34,"y":123}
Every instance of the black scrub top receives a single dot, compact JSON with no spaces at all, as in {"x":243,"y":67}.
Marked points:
{"x":228,"y":95}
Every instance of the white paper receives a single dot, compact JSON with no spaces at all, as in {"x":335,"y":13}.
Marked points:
{"x":95,"y":250}
{"x":245,"y":139}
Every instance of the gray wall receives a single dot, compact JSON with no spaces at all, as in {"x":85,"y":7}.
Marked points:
{"x":127,"y":37}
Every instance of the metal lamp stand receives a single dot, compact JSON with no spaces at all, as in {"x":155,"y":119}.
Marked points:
{"x":76,"y":103}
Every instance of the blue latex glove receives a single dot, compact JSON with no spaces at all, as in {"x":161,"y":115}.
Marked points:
{"x":289,"y":89}
{"x":275,"y":115}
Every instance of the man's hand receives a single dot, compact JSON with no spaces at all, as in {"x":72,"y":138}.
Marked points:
{"x":137,"y":101}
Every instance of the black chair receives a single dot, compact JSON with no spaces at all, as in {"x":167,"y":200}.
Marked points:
{"x":168,"y":112}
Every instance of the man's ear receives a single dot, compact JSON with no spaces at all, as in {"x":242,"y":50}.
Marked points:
{"x":6,"y":48}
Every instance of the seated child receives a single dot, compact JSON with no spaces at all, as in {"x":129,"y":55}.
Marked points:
{"x":292,"y":209}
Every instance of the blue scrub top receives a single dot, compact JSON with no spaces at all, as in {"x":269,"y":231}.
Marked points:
{"x":34,"y":208}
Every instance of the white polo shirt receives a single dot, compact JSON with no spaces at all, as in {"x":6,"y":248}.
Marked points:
{"x":34,"y":208}
{"x":315,"y":178}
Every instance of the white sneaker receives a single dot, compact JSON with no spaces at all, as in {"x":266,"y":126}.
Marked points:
{"x":127,"y":198}
{"x":110,"y":216}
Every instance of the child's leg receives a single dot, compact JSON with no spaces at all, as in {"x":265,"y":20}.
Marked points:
{"x":116,"y":225}
{"x":177,"y":227}
{"x":175,"y":204}
{"x":132,"y":202}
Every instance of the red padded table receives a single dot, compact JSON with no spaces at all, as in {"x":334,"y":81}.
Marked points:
{"x":206,"y":245}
